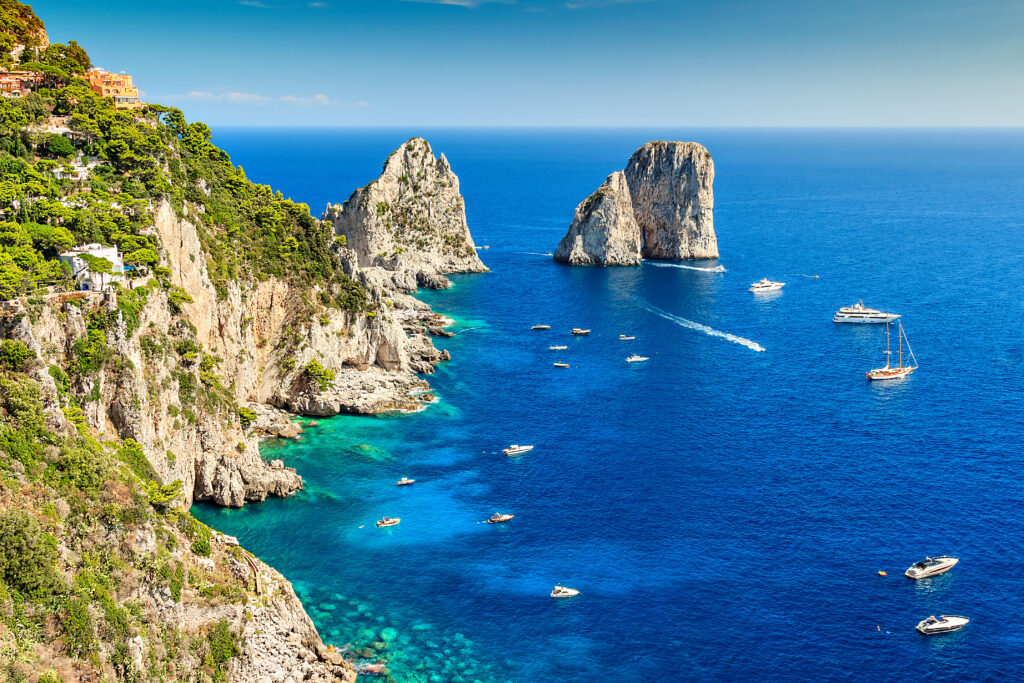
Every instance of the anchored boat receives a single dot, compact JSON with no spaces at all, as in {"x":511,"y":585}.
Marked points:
{"x":944,"y":623}
{"x":859,"y":313}
{"x":765,"y":285}
{"x":405,"y":481}
{"x":931,"y":566}
{"x":557,"y":348}
{"x":901,"y":370}
{"x":561,"y":365}
{"x":541,"y":327}
{"x":636,"y":359}
{"x":563,"y":592}
{"x":623,"y":337}
{"x":580,"y":332}
{"x":498,"y":518}
{"x":388,"y":521}
{"x":516,"y":449}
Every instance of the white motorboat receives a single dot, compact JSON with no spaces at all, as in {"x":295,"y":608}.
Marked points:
{"x":541,"y":327}
{"x":563,"y":592}
{"x":859,"y":313}
{"x":405,"y":481}
{"x":498,"y":518}
{"x":516,"y":449}
{"x":901,"y":370}
{"x":580,"y":332}
{"x":765,"y":285}
{"x":561,"y":365}
{"x":931,"y":566}
{"x":388,"y":521}
{"x":636,"y":359}
{"x":944,"y":623}
{"x":557,"y":348}
{"x":623,"y":337}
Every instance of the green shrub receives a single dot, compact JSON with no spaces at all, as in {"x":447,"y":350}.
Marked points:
{"x":246,"y":416}
{"x":201,"y":547}
{"x":319,"y":374}
{"x":79,"y":633}
{"x":14,"y":355}
{"x":27,"y":561}
{"x":223,"y":646}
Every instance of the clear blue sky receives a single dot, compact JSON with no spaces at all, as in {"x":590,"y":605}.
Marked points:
{"x":563,"y":63}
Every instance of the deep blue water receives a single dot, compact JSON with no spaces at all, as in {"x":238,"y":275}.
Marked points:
{"x":724,"y":511}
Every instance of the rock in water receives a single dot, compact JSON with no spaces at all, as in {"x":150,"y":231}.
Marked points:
{"x":670,"y":185}
{"x":604,"y":231}
{"x":411,"y":220}
{"x":660,"y":207}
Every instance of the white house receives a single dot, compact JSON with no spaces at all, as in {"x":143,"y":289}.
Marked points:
{"x":85,"y":278}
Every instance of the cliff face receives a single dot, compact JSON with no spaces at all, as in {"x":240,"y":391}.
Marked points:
{"x":604,"y":231}
{"x":659,"y":207}
{"x":411,"y":221}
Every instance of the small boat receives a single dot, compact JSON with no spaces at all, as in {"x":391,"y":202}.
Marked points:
{"x":636,"y":359}
{"x":580,"y":333}
{"x":623,"y":337}
{"x":557,"y":348}
{"x":765,"y":285}
{"x":563,"y":592}
{"x":931,"y":566}
{"x":372,"y":670}
{"x":516,"y":449}
{"x":901,"y":370}
{"x":859,"y":313}
{"x":561,"y":365}
{"x":405,"y":481}
{"x":944,"y":623}
{"x":388,"y":521}
{"x":498,"y":518}
{"x":541,"y":327}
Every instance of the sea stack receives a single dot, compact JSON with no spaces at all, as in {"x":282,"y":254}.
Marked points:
{"x":411,"y":220}
{"x":663,"y":212}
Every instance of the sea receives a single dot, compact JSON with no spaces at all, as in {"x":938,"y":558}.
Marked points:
{"x":727,"y":508}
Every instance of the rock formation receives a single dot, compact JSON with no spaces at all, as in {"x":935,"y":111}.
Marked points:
{"x":411,"y":221}
{"x":659,"y":207}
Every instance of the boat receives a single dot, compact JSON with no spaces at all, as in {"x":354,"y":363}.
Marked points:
{"x":405,"y":481}
{"x":931,"y":566}
{"x":636,"y":359}
{"x":901,"y":370}
{"x":623,"y":337}
{"x":561,"y":365}
{"x":557,"y":348}
{"x":388,"y":521}
{"x":516,"y":449}
{"x":579,"y":332}
{"x":563,"y":592}
{"x":944,"y":623}
{"x":859,"y":313}
{"x":541,"y":327}
{"x":498,"y":518}
{"x":765,"y":285}
{"x":377,"y":669}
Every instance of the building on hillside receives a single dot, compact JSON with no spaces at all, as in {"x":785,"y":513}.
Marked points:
{"x":117,"y":86}
{"x":85,"y":278}
{"x":18,"y":83}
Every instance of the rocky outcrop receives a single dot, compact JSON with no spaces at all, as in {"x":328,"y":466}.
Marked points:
{"x":659,"y":207}
{"x":410,"y":221}
{"x":603,"y":231}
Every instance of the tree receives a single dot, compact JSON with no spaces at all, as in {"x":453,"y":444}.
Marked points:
{"x":319,"y":374}
{"x":98,"y":266}
{"x":58,"y":146}
{"x":142,"y":257}
{"x":14,"y":355}
{"x":26,"y":561}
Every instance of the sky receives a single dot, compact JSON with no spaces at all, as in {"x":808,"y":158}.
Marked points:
{"x":563,"y":63}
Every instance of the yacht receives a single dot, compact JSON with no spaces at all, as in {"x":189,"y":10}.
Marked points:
{"x":498,"y":518}
{"x":405,"y":481}
{"x":580,"y":333}
{"x":561,"y":365}
{"x":944,"y":623}
{"x":765,"y":285}
{"x":859,"y":313}
{"x":563,"y":592}
{"x":636,"y":359}
{"x":901,"y":370}
{"x":623,"y":337}
{"x":388,"y":521}
{"x":541,"y":327}
{"x":931,"y":566}
{"x":557,"y":348}
{"x":516,"y":449}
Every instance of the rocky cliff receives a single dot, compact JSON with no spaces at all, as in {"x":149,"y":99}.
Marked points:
{"x":668,"y":189}
{"x":410,"y":222}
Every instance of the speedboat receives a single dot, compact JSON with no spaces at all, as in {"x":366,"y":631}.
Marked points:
{"x":498,"y":518}
{"x":561,"y":365}
{"x":944,"y":623}
{"x":580,"y":332}
{"x":636,"y":359}
{"x":405,"y":481}
{"x":931,"y":566}
{"x":859,"y":313}
{"x":563,"y":592}
{"x":516,"y":449}
{"x":541,"y":327}
{"x":765,"y":285}
{"x":388,"y":521}
{"x":623,"y":337}
{"x":557,"y":348}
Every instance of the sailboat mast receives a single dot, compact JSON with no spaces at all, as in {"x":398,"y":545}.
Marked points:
{"x":901,"y":344}
{"x":888,"y":354}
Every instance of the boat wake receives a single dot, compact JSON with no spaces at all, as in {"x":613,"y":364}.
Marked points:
{"x":716,"y":269}
{"x":536,"y":253}
{"x":710,"y":331}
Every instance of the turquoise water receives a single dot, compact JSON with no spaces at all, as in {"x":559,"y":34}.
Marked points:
{"x":724,"y":511}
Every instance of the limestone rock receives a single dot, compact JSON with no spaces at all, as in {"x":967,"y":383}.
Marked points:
{"x":604,"y":231}
{"x":411,"y":220}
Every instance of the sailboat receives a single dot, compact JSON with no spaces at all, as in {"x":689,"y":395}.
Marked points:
{"x":901,"y":370}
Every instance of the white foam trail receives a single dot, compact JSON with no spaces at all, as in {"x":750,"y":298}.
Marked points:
{"x":536,"y":253}
{"x":716,"y":269}
{"x":710,"y":331}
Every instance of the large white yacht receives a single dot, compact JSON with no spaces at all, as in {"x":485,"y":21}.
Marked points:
{"x":859,"y":313}
{"x":765,"y":285}
{"x":944,"y":623}
{"x":931,"y":566}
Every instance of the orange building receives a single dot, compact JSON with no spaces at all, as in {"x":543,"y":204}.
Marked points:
{"x":118,"y":86}
{"x":18,"y":83}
